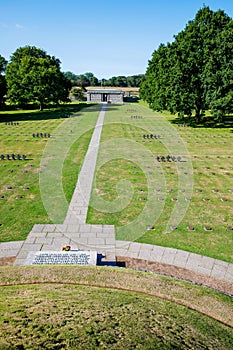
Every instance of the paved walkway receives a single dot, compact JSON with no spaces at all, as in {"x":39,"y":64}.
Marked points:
{"x":190,"y":261}
{"x":75,"y":232}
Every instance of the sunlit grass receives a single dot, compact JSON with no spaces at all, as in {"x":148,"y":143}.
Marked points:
{"x":210,"y":151}
{"x":116,"y":308}
{"x":18,"y":215}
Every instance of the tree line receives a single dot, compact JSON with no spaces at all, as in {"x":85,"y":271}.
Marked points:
{"x":88,"y":79}
{"x":194,"y":73}
{"x":34,"y":77}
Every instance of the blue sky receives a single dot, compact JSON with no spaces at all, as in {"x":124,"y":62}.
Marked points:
{"x":107,"y":38}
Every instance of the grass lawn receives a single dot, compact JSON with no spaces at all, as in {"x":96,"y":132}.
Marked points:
{"x":59,"y":307}
{"x":197,"y":192}
{"x":132,"y":190}
{"x":18,"y":215}
{"x":108,"y":308}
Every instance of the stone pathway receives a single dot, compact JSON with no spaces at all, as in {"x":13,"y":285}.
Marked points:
{"x":10,"y":249}
{"x":74,"y":231}
{"x":101,"y":238}
{"x":175,"y":257}
{"x":190,"y":261}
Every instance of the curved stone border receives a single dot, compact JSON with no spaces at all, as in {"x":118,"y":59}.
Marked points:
{"x":189,"y":261}
{"x":192,"y":267}
{"x":174,"y":271}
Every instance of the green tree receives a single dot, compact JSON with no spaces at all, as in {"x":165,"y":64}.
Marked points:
{"x":77,"y":93}
{"x":34,"y":76}
{"x":71,"y":77}
{"x":219,"y":75}
{"x":194,"y":49}
{"x":82,"y":81}
{"x":111,"y":81}
{"x":121,"y":81}
{"x":135,"y":80}
{"x":103,"y":82}
{"x":155,"y":89}
{"x":195,"y":71}
{"x":3,"y":63}
{"x":92,"y":79}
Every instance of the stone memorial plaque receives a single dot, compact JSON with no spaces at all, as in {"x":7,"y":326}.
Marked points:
{"x":78,"y":257}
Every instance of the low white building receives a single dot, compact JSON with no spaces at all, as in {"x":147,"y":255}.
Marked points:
{"x":105,"y":95}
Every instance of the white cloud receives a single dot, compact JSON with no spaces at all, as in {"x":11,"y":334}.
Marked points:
{"x":19,"y":26}
{"x":11,"y":26}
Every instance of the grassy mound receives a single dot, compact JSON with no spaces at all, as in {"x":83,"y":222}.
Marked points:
{"x":88,"y":307}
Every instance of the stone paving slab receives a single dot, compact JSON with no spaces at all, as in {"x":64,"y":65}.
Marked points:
{"x":56,"y":234}
{"x":157,"y":253}
{"x":168,"y":256}
{"x":229,"y":273}
{"x":46,"y":240}
{"x":9,"y":249}
{"x":181,"y":258}
{"x":37,"y":228}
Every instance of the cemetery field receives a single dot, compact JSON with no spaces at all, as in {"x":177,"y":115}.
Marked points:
{"x":185,"y":204}
{"x":90,"y":307}
{"x":20,"y":198}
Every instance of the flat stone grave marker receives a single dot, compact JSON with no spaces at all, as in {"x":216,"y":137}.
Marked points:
{"x":78,"y":257}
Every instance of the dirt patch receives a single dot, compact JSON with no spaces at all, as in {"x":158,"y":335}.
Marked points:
{"x":7,"y":261}
{"x":178,"y":272}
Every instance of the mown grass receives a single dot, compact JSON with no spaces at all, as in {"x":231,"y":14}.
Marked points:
{"x":18,"y":215}
{"x":101,"y":315}
{"x":209,"y":168}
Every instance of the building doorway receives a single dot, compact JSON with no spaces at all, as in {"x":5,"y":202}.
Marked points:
{"x":105,"y":97}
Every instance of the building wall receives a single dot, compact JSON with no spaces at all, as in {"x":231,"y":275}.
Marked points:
{"x":115,"y":98}
{"x":97,"y":97}
{"x":94,"y":97}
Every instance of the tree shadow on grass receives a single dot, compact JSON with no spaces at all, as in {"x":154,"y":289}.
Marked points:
{"x":32,"y":113}
{"x":131,"y":99}
{"x":206,"y":122}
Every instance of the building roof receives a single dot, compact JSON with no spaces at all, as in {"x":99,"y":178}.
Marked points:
{"x":105,"y":91}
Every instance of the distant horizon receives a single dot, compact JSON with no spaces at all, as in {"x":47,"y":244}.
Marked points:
{"x":99,"y":37}
{"x":99,"y":79}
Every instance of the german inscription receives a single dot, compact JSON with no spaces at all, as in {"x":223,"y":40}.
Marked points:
{"x":63,"y":258}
